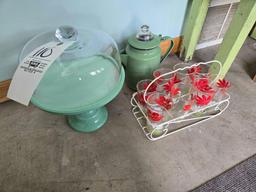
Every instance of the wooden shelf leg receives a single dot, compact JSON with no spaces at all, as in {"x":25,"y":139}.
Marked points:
{"x":197,"y":11}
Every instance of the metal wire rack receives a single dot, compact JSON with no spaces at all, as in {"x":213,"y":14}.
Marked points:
{"x":183,"y":120}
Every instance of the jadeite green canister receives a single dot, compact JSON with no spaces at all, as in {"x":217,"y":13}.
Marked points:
{"x":143,"y":55}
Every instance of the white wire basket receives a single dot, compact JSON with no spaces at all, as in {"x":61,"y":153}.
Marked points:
{"x":178,"y":120}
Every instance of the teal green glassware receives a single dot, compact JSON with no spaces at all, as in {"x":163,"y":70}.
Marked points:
{"x":85,"y":77}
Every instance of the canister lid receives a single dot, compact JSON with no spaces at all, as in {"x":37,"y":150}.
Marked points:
{"x":144,"y":39}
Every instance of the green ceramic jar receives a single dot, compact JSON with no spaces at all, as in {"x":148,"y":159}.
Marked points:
{"x":143,"y":55}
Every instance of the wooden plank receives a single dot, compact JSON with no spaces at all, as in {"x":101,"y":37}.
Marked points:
{"x":4,"y":86}
{"x":236,"y":34}
{"x":193,"y":26}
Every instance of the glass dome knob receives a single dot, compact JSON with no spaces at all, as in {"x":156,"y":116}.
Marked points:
{"x":66,"y":33}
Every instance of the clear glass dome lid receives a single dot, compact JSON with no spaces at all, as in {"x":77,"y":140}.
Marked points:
{"x":86,"y":75}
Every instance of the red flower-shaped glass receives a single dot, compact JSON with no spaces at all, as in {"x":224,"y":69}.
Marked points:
{"x":194,"y":70}
{"x":203,"y":86}
{"x":223,"y":84}
{"x":171,"y":88}
{"x":152,"y":88}
{"x":203,"y":100}
{"x":141,"y":87}
{"x":159,"y":103}
{"x":183,"y":73}
{"x":140,"y":98}
{"x":184,"y":85}
{"x":154,"y":116}
{"x":164,"y":102}
{"x":188,"y":102}
{"x":175,"y":79}
{"x":162,"y":71}
{"x":164,"y":79}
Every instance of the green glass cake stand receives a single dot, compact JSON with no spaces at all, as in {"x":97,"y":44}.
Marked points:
{"x":86,"y":77}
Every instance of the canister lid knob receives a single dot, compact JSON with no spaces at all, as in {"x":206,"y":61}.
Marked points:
{"x":144,"y":34}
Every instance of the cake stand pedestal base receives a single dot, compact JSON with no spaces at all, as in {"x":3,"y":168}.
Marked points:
{"x":89,"y":121}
